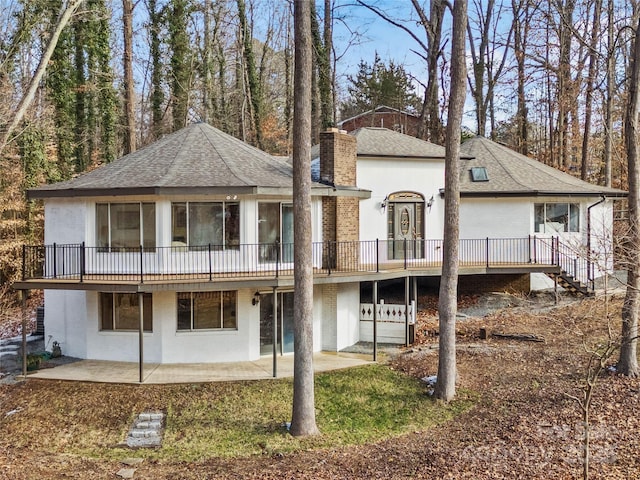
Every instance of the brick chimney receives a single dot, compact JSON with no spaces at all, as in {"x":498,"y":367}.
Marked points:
{"x":340,"y":214}
{"x":337,"y":158}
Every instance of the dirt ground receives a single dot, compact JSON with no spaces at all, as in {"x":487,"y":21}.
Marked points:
{"x":525,"y":423}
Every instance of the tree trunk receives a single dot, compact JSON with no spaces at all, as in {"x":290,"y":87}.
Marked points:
{"x":628,"y":361}
{"x":127,"y":61}
{"x":253,"y":81}
{"x":591,"y":77}
{"x":63,"y":19}
{"x":447,"y":301}
{"x":157,"y":95}
{"x":611,"y":73}
{"x":303,"y":422}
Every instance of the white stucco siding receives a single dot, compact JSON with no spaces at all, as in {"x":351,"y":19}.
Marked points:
{"x":347,"y":319}
{"x":384,"y":177}
{"x":65,"y":221}
{"x":65,"y":321}
{"x":119,"y":345}
{"x":495,"y":218}
{"x":242,"y":344}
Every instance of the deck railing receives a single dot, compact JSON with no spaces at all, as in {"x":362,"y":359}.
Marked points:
{"x":210,"y":262}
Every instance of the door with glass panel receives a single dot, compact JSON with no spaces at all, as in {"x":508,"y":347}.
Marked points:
{"x":405,"y":225}
{"x":275,"y":232}
{"x":284,"y":319}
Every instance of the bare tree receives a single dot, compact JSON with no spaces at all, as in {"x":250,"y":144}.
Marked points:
{"x":628,"y":361}
{"x":66,"y":12}
{"x":447,"y":299}
{"x":303,"y":421}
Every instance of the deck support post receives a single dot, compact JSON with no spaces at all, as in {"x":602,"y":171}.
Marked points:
{"x":23,"y":294}
{"x":406,"y":311}
{"x":275,"y":332}
{"x":141,"y":337}
{"x":375,"y":321}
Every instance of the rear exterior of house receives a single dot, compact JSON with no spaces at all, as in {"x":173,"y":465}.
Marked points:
{"x":182,"y":252}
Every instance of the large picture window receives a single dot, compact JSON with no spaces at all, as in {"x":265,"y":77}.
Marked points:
{"x":206,"y":223}
{"x":126,"y":225}
{"x":207,"y":310}
{"x":120,"y":311}
{"x":557,"y":217}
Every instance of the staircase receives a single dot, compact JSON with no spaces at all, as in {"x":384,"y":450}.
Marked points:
{"x":571,"y":284}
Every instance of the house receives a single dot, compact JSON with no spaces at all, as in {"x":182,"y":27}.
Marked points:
{"x":182,"y":251}
{"x":384,"y":117}
{"x":506,"y":194}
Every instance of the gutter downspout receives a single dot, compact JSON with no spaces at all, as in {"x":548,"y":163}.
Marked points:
{"x":602,"y":200}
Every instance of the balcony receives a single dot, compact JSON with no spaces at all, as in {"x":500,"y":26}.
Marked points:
{"x":65,"y":264}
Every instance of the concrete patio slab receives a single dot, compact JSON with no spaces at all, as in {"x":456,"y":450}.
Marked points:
{"x":124,"y":372}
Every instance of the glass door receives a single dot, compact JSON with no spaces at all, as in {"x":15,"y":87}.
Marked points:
{"x":284,"y":321}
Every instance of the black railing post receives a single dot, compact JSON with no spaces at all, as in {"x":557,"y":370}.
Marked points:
{"x":575,"y":268}
{"x":210,"y":269}
{"x":55,"y":260}
{"x":332,"y":249}
{"x":487,"y":252}
{"x":24,"y":262}
{"x":377,"y":255}
{"x":405,"y":252}
{"x":277,"y":259}
{"x":82,"y":264}
{"x":141,"y":261}
{"x":535,"y":249}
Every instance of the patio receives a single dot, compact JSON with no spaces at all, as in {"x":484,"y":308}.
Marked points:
{"x":124,"y":372}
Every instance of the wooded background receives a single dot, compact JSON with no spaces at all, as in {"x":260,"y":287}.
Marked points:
{"x":548,"y":78}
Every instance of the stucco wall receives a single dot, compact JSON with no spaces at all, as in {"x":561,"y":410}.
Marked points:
{"x":383,"y":177}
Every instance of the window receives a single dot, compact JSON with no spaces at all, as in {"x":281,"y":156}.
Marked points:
{"x":120,"y":311}
{"x":126,"y":226}
{"x":557,"y":217}
{"x":206,"y":223}
{"x":479,"y":174}
{"x":207,"y":310}
{"x":275,"y":225}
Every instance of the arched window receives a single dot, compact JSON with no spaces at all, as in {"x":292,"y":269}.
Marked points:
{"x":405,"y":224}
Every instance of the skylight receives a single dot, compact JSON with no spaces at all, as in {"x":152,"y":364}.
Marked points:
{"x":479,"y":174}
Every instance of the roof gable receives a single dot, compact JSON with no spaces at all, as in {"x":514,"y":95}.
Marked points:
{"x":382,"y":142}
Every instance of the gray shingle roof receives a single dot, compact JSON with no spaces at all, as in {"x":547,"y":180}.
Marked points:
{"x":511,"y":173}
{"x":382,"y":142}
{"x":196,"y":157}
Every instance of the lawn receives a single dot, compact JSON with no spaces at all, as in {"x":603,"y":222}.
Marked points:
{"x":354,"y":406}
{"x":513,"y":417}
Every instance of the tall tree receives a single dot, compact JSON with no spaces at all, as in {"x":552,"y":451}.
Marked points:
{"x":303,"y":422}
{"x":129,"y":87}
{"x":432,"y":54}
{"x":628,"y":361}
{"x":66,"y":12}
{"x":487,"y":70}
{"x":379,"y":84}
{"x":177,"y":18}
{"x":157,"y":94}
{"x":253,"y":85}
{"x":447,"y":299}
{"x":521,"y":26}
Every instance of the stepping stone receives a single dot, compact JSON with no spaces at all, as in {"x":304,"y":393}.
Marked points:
{"x":126,"y":472}
{"x":146,"y":431}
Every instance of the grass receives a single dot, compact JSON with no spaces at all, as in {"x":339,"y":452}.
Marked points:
{"x":354,"y":406}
